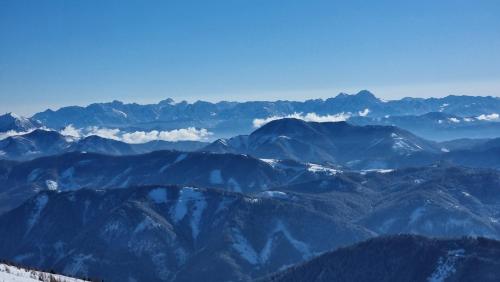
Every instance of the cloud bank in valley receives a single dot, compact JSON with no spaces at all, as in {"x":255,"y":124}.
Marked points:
{"x":137,"y":137}
{"x":489,"y":117}
{"x":307,"y":117}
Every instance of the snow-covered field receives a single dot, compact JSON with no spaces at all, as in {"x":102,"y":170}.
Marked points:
{"x":9,"y":273}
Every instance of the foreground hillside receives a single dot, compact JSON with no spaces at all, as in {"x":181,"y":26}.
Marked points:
{"x":182,"y":233}
{"x":402,"y":258}
{"x":10,"y":273}
{"x":169,"y":233}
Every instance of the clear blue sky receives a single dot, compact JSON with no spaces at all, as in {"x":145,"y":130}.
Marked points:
{"x":55,"y":53}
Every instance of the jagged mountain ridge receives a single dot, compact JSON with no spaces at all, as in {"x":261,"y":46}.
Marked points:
{"x":231,"y":118}
{"x":13,"y":122}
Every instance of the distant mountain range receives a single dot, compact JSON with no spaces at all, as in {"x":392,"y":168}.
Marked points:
{"x":439,"y":125}
{"x":402,"y":258}
{"x":450,"y":117}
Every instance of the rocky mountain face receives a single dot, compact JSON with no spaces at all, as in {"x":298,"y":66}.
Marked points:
{"x":41,"y":143}
{"x":13,"y":122}
{"x":402,"y":258}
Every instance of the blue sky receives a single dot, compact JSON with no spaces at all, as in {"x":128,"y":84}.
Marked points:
{"x":56,"y":53}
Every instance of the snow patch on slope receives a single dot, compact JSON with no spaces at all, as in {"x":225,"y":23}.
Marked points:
{"x":51,"y":185}
{"x":316,"y":168}
{"x":40,"y":203}
{"x":158,"y":195}
{"x":190,"y":198}
{"x":446,"y":266}
{"x":216,"y":177}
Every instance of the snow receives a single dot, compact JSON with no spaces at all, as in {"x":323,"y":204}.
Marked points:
{"x":147,"y":224}
{"x":67,"y":179}
{"x":222,"y":141}
{"x":273,"y":194}
{"x":14,"y":274}
{"x":158,"y":195}
{"x":378,"y":170}
{"x":300,"y":246}
{"x":251,"y":200}
{"x":454,"y":120}
{"x":271,"y":162}
{"x":78,"y":264}
{"x":416,"y":215}
{"x":441,"y":108}
{"x":51,"y":185}
{"x":223,"y":205}
{"x":216,"y":177}
{"x":198,"y":204}
{"x":41,"y":202}
{"x":316,"y":168}
{"x":444,"y":150}
{"x":118,"y":112}
{"x":446,"y":266}
{"x":234,"y":185}
{"x":68,"y":173}
{"x":180,"y":158}
{"x":248,"y":252}
{"x":401,"y":144}
{"x":34,"y":175}
{"x":243,"y":247}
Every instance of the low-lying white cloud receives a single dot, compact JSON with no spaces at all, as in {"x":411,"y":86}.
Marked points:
{"x":10,"y":133}
{"x":493,"y":116}
{"x":364,"y":112}
{"x":137,"y":137}
{"x":7,"y":134}
{"x":183,"y":134}
{"x":258,"y":122}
